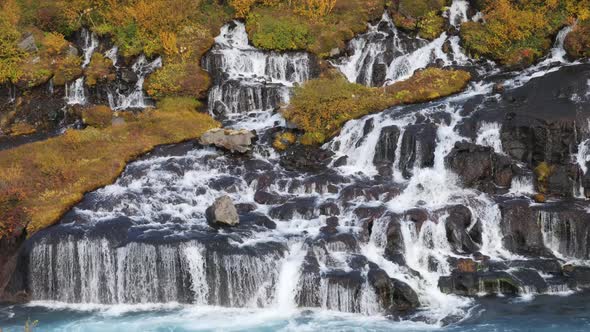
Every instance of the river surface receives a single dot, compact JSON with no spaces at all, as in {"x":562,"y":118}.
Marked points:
{"x":542,"y":313}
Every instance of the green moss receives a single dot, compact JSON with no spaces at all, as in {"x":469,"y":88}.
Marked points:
{"x":286,"y":33}
{"x":283,"y":140}
{"x":321,"y":106}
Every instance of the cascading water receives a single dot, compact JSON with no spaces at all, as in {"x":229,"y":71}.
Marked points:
{"x":388,"y":228}
{"x":75,"y":94}
{"x":249,"y":83}
{"x":384,"y":55}
{"x":136,"y":98}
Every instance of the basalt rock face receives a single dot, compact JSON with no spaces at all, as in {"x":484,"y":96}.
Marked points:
{"x":480,"y":167}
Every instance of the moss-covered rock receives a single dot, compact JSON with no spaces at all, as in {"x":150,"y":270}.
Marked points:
{"x":321,"y":106}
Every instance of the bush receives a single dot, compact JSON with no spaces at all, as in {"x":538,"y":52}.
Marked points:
{"x":66,"y":69}
{"x":54,"y":44}
{"x":516,"y":33}
{"x":577,"y":42}
{"x":431,"y":26}
{"x":321,"y":107}
{"x":284,"y":34}
{"x":178,"y":79}
{"x":10,"y":54}
{"x":100,"y":69}
{"x":98,"y":116}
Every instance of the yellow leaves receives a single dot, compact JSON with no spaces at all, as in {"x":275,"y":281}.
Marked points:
{"x":242,"y":7}
{"x":314,"y":8}
{"x":169,"y":43}
{"x":54,"y":43}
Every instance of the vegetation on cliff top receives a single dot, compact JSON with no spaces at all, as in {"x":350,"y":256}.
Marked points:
{"x":577,"y":42}
{"x":517,"y":33}
{"x":41,"y":181}
{"x":318,"y":26}
{"x":321,"y":107}
{"x":422,"y":16}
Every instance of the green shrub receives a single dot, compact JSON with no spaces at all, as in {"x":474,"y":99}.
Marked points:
{"x":171,"y":104}
{"x":284,"y":34}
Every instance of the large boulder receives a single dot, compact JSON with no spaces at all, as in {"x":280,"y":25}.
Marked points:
{"x":222,"y":212}
{"x":479,"y":166}
{"x":229,"y":139}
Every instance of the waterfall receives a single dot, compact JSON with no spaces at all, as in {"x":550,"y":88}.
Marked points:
{"x":75,"y":94}
{"x":377,"y":229}
{"x":489,"y":135}
{"x":384,"y":55}
{"x":121,"y":100}
{"x":250,"y":84}
{"x":90,"y":44}
{"x":458,"y":12}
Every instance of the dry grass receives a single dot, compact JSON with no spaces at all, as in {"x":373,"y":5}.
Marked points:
{"x":53,"y":175}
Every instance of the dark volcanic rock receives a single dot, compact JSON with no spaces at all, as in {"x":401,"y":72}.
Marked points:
{"x":480,"y":166}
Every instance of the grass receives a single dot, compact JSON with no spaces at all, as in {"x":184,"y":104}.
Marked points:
{"x":322,"y":106}
{"x":45,"y":179}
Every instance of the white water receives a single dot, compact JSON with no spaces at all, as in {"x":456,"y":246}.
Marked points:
{"x":169,"y":195}
{"x":458,"y":12}
{"x":254,"y":83}
{"x":90,"y":45}
{"x":118,"y":100}
{"x":75,"y":93}
{"x":489,"y":135}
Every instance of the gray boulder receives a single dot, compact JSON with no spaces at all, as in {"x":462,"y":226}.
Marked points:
{"x":28,"y":44}
{"x":229,"y":139}
{"x":222,"y":212}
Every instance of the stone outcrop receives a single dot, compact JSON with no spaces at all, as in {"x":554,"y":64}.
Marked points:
{"x":229,"y":139}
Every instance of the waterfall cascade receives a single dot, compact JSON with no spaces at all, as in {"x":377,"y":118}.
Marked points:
{"x":421,"y":208}
{"x":249,"y":83}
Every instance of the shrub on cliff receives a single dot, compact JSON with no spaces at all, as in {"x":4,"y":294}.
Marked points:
{"x":577,"y":42}
{"x":321,"y":107}
{"x":280,"y":34}
{"x":517,"y":33}
{"x":276,"y":25}
{"x":100,"y":69}
{"x":10,"y":54}
{"x":421,"y":16}
{"x":185,"y":79}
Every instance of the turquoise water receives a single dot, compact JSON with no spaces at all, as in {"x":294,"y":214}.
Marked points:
{"x":543,"y":313}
